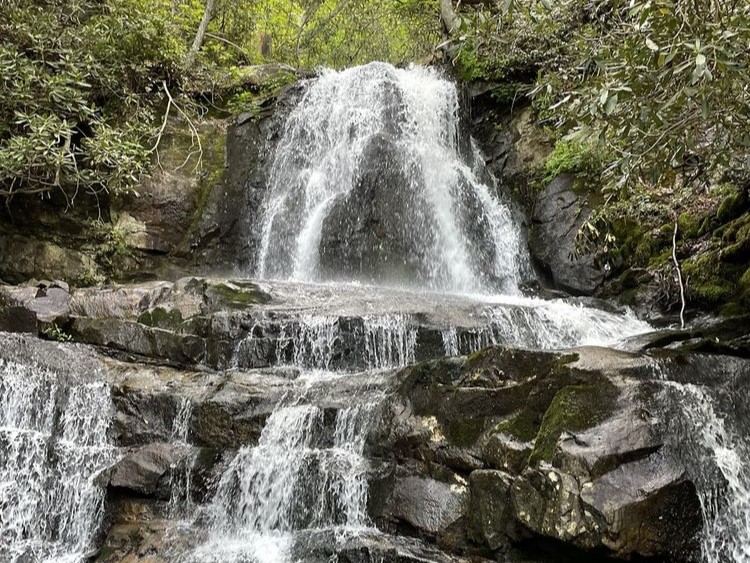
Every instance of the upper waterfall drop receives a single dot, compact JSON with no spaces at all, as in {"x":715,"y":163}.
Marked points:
{"x":373,"y":181}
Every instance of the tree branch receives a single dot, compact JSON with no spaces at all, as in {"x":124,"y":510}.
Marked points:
{"x":679,"y":275}
{"x":448,"y":16}
{"x":200,"y":34}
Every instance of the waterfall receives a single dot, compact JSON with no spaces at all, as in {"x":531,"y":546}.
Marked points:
{"x":305,"y":474}
{"x":373,"y":181}
{"x":53,"y":446}
{"x":716,"y":451}
{"x":180,"y":475}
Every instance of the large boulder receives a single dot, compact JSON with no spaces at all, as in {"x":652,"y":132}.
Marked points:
{"x":141,"y":471}
{"x":561,"y":447}
{"x":559,"y":213}
{"x":24,"y":258}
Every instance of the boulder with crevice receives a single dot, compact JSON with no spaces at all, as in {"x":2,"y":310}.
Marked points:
{"x":559,"y":447}
{"x":559,"y":212}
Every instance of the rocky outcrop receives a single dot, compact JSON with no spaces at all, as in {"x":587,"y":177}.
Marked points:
{"x":559,"y":213}
{"x":227,"y":234}
{"x":510,"y":445}
{"x":475,"y":455}
{"x":193,"y":212}
{"x":478,"y":455}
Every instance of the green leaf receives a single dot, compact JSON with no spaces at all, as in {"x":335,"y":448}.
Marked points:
{"x":611,"y":104}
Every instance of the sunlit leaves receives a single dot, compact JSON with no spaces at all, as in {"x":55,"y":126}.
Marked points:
{"x":72,"y":111}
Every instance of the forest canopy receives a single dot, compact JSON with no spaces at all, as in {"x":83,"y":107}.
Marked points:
{"x":84,"y":83}
{"x":657,"y":88}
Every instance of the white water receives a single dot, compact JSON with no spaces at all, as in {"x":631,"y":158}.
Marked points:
{"x":306,"y":474}
{"x":53,"y":445}
{"x":713,"y":453}
{"x":453,"y":236}
{"x":323,"y":154}
{"x":303,"y":475}
{"x":181,"y":474}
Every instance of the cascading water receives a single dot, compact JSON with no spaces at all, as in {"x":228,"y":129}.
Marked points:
{"x":714,"y":446}
{"x":53,"y":446}
{"x":180,"y":477}
{"x":306,"y":474}
{"x":371,"y":181}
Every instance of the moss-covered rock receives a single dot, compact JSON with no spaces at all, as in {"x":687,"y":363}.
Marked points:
{"x":574,"y":408}
{"x":561,"y":447}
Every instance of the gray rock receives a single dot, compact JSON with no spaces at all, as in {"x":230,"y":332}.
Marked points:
{"x":427,"y":504}
{"x":491,"y":514}
{"x":558,"y":215}
{"x":141,"y":471}
{"x":23,"y":258}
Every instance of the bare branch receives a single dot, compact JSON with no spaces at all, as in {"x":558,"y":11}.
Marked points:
{"x":679,"y":275}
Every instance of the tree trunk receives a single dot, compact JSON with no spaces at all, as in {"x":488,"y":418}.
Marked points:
{"x":200,"y":34}
{"x":448,"y":16}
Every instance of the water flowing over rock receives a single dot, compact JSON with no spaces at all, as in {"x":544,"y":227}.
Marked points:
{"x":53,"y":441}
{"x":372,"y":180}
{"x":384,"y":393}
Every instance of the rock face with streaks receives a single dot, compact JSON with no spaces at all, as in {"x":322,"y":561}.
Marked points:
{"x":558,"y":215}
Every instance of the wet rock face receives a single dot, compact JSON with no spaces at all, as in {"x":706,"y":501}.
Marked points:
{"x":558,"y":215}
{"x":363,"y":235}
{"x":515,"y":445}
{"x":475,"y":454}
{"x":228,"y":233}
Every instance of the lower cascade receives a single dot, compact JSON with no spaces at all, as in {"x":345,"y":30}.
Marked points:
{"x":53,"y":440}
{"x":384,"y":391}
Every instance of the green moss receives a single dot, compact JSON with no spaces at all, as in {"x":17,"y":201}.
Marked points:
{"x":105,"y":552}
{"x":213,"y":172}
{"x":708,"y":282}
{"x":582,"y":160}
{"x":730,"y":207}
{"x":236,"y":295}
{"x":713,"y":293}
{"x":731,"y":310}
{"x":689,"y":226}
{"x":477,"y":356}
{"x":524,"y":426}
{"x":464,"y":432}
{"x":162,"y":318}
{"x":574,"y":408}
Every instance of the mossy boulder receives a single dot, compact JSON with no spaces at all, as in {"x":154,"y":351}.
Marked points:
{"x":574,"y":408}
{"x":555,"y":446}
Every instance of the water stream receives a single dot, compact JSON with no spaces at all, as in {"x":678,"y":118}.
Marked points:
{"x":711,"y":438}
{"x":381,"y":229}
{"x":392,"y":135}
{"x":53,"y":446}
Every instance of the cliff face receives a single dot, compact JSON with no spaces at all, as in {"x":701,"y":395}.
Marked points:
{"x":192,"y":216}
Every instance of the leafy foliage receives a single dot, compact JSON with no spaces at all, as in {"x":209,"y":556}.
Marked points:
{"x":72,"y":79}
{"x":661,"y":84}
{"x":664,"y":86}
{"x":82,"y":82}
